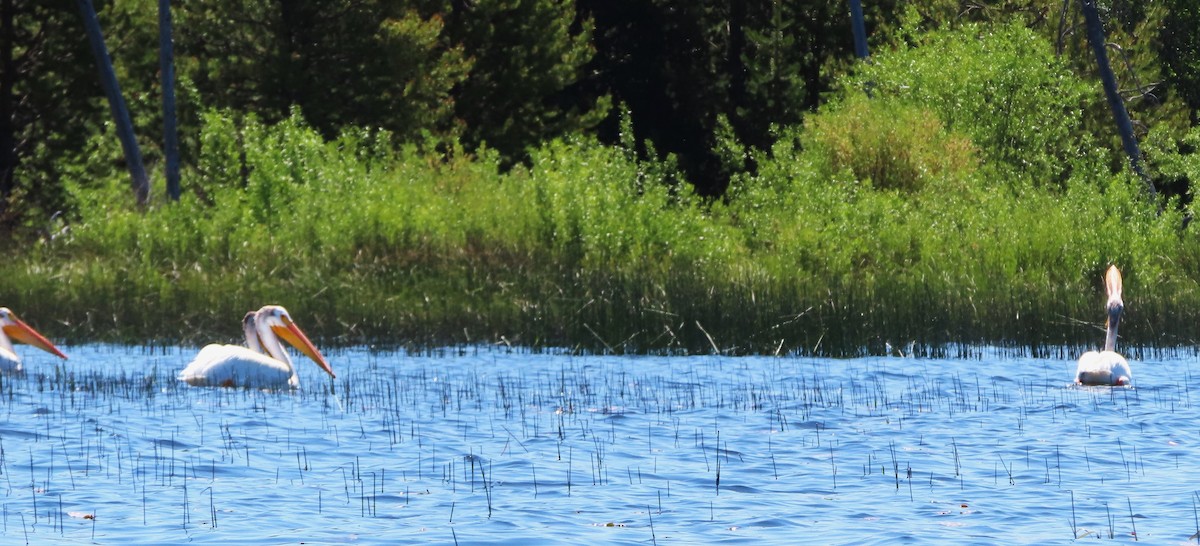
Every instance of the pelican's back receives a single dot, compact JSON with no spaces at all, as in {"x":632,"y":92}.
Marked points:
{"x":236,"y":366}
{"x":1103,"y":368}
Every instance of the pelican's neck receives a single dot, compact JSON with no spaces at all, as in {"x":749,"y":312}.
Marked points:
{"x":6,"y":344}
{"x":10,"y":362}
{"x":1114,"y":319}
{"x":1110,"y":340}
{"x":272,"y":346}
{"x":250,"y":329}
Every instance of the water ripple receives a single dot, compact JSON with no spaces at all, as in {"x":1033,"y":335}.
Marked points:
{"x":505,"y":447}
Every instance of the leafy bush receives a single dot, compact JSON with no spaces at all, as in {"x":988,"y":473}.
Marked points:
{"x":1174,"y":159}
{"x":999,"y":84}
{"x":888,"y":143}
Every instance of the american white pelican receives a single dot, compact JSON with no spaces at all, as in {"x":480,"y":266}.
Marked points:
{"x":1107,"y":367}
{"x":14,"y":329}
{"x":263,"y":364}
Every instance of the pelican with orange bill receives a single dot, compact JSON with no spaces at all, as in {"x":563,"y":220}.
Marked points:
{"x":264,"y":363}
{"x":14,"y":329}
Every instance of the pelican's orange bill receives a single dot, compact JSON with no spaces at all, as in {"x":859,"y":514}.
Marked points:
{"x":1112,"y":281}
{"x":19,"y":331}
{"x":292,"y":334}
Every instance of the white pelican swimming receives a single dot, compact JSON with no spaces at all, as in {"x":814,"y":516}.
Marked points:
{"x":1107,"y":367}
{"x":13,"y":329}
{"x":263,"y":364}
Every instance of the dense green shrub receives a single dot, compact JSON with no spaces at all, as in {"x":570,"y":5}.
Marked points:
{"x":888,"y":143}
{"x":999,"y":84}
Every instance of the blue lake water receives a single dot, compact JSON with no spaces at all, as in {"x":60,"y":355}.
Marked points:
{"x":482,"y":446}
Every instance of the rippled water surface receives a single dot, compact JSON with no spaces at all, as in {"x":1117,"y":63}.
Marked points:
{"x":485,"y":446}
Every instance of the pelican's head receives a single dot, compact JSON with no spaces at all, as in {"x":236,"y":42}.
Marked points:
{"x":1115,"y":308}
{"x":280,"y":322}
{"x":1112,"y":284}
{"x":17,"y":330}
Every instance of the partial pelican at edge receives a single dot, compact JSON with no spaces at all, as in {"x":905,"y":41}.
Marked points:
{"x":14,"y":329}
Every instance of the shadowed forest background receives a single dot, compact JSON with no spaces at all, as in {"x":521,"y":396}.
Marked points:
{"x":624,"y":176}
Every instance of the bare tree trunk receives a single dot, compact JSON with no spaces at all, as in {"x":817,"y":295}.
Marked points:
{"x":116,"y":102}
{"x":859,"y":28}
{"x":1095,"y":34}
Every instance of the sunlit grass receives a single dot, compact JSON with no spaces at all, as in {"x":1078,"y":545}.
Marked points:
{"x":591,"y":249}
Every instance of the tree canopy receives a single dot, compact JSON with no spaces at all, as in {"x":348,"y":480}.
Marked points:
{"x":703,"y":84}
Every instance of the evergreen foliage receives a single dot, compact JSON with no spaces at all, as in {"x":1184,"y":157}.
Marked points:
{"x":48,"y":109}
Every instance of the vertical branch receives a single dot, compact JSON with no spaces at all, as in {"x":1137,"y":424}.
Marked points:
{"x":1062,"y":29}
{"x":116,"y":102}
{"x":860,"y":29}
{"x":166,"y":62}
{"x":1095,"y":34}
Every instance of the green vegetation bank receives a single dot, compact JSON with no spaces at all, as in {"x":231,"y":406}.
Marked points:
{"x":963,"y":187}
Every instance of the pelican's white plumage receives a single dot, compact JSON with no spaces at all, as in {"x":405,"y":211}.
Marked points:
{"x":14,"y":329}
{"x":263,"y":363}
{"x":1107,"y":367}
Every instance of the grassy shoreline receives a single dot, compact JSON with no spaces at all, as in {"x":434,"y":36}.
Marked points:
{"x":600,"y":314}
{"x":399,"y":251}
{"x":915,"y":217}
